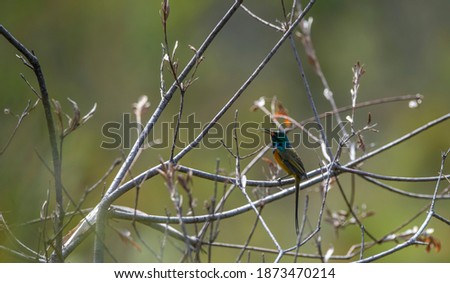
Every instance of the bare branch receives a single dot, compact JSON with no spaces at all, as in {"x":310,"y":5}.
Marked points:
{"x":33,"y":63}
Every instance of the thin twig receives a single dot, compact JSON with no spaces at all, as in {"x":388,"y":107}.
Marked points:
{"x":212,"y":232}
{"x":261,"y":20}
{"x":443,"y":219}
{"x":390,"y":178}
{"x":361,"y":251}
{"x":408,"y":194}
{"x":327,"y":151}
{"x":369,"y":103}
{"x":22,"y":116}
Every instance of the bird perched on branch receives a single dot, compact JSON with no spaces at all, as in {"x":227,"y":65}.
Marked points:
{"x":289,"y":160}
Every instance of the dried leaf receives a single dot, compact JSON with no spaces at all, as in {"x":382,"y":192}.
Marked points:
{"x":358,"y":71}
{"x":192,"y":48}
{"x":189,"y":178}
{"x":141,"y":106}
{"x":361,"y":143}
{"x":89,"y":114}
{"x":165,"y":11}
{"x":432,"y":242}
{"x":184,"y":183}
{"x":57,"y":105}
{"x":175,"y":68}
{"x":268,"y":161}
{"x":58,"y":111}
{"x":162,"y":173}
{"x":74,"y":121}
{"x":174,"y":49}
{"x":42,"y":212}
{"x":126,"y":238}
{"x":272,"y":166}
{"x":281,"y":110}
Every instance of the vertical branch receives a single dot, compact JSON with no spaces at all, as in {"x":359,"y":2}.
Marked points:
{"x":305,"y":38}
{"x":177,"y":126}
{"x":59,"y":212}
{"x":325,"y":144}
{"x":237,"y":155}
{"x":173,"y":65}
{"x":361,"y":251}
{"x":326,"y":149}
{"x":30,"y":107}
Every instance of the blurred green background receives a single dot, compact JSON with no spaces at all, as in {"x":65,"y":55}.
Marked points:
{"x":109,"y":53}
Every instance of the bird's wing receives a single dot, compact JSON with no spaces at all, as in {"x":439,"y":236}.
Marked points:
{"x":293,"y":162}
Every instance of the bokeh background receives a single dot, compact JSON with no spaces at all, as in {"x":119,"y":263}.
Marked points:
{"x":109,"y":53}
